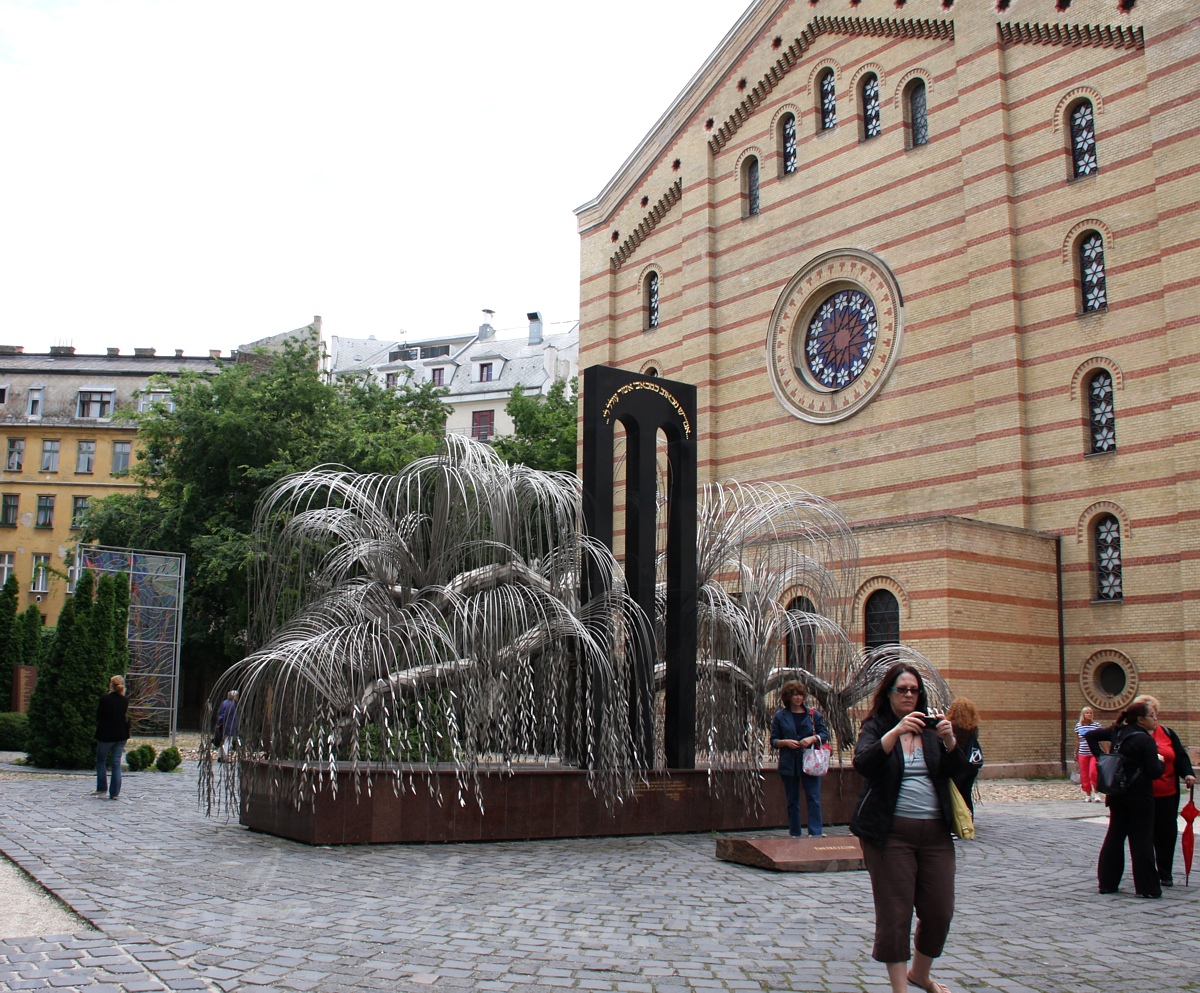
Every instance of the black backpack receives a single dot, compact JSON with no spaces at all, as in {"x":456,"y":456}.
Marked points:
{"x":1115,"y":773}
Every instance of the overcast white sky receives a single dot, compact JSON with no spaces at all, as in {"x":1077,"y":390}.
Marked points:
{"x":200,"y":173}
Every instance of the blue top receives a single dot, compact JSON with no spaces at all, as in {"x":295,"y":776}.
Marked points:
{"x":795,"y":727}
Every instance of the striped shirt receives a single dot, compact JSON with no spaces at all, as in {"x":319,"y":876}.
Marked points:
{"x":1081,"y":730}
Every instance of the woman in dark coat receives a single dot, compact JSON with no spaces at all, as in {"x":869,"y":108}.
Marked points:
{"x":112,"y":731}
{"x":1177,"y":765}
{"x":965,"y":720}
{"x":1130,"y":815}
{"x":794,"y":728}
{"x":903,"y":819}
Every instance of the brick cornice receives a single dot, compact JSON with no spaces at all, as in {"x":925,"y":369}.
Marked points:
{"x":648,"y":224}
{"x":1094,"y":35}
{"x":883,"y":27}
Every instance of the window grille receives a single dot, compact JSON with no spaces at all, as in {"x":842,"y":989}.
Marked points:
{"x":1092,"y":280}
{"x":1083,"y":140}
{"x":872,"y":123}
{"x":1104,"y":418}
{"x":1108,"y":558}
{"x":918,"y":113}
{"x":788,"y":134}
{"x":828,"y":100}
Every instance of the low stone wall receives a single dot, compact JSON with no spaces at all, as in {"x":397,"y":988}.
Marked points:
{"x":531,"y":803}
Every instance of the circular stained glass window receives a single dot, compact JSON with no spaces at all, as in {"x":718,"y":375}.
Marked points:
{"x":840,"y":339}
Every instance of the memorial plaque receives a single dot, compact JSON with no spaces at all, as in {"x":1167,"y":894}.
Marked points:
{"x":840,"y":853}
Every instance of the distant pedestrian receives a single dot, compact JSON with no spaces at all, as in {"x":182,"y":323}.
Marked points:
{"x":794,"y":729}
{"x":965,"y":720}
{"x":227,"y":726}
{"x":1131,"y":814}
{"x":1085,"y":760}
{"x":1177,"y":765}
{"x":904,"y":817}
{"x":112,"y":731}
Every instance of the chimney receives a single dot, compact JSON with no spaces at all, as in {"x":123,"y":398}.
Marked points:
{"x":485,"y":329}
{"x":214,"y":353}
{"x":535,"y":327}
{"x":317,"y":323}
{"x":145,"y":353}
{"x":114,"y":351}
{"x":62,"y":349}
{"x":11,"y":349}
{"x":179,"y":353}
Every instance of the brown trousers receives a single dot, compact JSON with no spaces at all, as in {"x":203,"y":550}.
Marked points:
{"x":914,"y":870}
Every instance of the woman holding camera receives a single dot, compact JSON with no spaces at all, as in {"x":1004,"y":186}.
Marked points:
{"x":903,"y":819}
{"x":794,"y":728}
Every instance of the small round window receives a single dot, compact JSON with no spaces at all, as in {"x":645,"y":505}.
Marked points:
{"x":1109,"y":680}
{"x":840,"y":339}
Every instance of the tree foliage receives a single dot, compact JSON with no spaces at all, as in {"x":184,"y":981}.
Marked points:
{"x":544,"y":429}
{"x":231,"y":433}
{"x":71,"y":680}
{"x":10,"y":638}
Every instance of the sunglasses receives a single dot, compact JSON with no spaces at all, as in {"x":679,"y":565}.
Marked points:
{"x":905,"y":690}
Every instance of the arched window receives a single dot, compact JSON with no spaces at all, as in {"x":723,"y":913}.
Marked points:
{"x":1093,"y":286}
{"x":918,"y":113}
{"x":1083,"y":139}
{"x":1103,"y":414}
{"x":651,"y":300}
{"x":869,"y":96}
{"x":787,"y":144}
{"x":802,"y":646}
{"x":881,"y":617}
{"x":827,"y":99}
{"x":1108,"y":558}
{"x":750,"y":186}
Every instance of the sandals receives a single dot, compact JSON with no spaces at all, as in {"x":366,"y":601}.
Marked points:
{"x":931,"y":985}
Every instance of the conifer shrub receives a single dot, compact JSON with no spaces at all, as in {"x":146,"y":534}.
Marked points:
{"x":13,"y":730}
{"x":140,"y":758}
{"x":169,"y":760}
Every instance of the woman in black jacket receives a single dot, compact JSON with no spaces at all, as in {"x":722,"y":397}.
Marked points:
{"x":903,"y":820}
{"x":1131,"y":814}
{"x":112,"y":731}
{"x":1165,"y":790}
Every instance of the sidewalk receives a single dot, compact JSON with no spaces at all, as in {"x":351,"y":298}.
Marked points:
{"x":183,"y":902}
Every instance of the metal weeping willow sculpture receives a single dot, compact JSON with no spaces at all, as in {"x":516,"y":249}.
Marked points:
{"x":431,"y":617}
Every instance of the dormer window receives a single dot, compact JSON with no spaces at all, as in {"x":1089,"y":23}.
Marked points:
{"x":485,"y":372}
{"x":438,"y":376}
{"x":37,"y":397}
{"x":95,"y":403}
{"x":148,"y":400}
{"x":390,"y":380}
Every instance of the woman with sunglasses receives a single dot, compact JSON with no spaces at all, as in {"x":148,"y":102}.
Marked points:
{"x":907,"y":757}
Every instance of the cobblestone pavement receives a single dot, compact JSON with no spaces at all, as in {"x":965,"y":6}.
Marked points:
{"x":185,"y":902}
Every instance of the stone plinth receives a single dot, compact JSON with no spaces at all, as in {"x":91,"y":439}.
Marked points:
{"x":828,"y":854}
{"x":553,"y":802}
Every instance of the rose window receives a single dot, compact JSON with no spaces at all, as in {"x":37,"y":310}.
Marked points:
{"x":840,"y":339}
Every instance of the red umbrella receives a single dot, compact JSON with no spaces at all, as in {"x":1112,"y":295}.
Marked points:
{"x":1189,"y":814}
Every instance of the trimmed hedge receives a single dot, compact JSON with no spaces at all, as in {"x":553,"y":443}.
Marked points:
{"x":169,"y":760}
{"x":13,"y":730}
{"x":140,"y":758}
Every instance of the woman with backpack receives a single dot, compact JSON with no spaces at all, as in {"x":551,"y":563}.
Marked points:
{"x":795,"y":728}
{"x":1130,"y":811}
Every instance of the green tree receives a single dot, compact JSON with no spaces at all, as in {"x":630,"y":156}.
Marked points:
{"x":29,"y":630}
{"x":203,"y":465}
{"x":10,"y":638}
{"x":544,"y":429}
{"x":74,"y":675}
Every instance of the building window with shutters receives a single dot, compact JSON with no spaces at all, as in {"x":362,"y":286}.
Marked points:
{"x":483,"y":424}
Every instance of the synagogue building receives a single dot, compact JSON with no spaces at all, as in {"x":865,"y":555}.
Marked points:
{"x":938,"y":262}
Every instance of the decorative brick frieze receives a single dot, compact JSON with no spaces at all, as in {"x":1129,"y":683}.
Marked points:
{"x":1096,"y":35}
{"x":648,"y":224}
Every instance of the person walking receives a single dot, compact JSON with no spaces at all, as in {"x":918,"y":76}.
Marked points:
{"x":227,"y":726}
{"x":794,"y":728}
{"x":1084,"y":758}
{"x":1131,"y":813}
{"x":965,"y":720}
{"x":1177,"y":765}
{"x":904,"y":819}
{"x":112,"y":731}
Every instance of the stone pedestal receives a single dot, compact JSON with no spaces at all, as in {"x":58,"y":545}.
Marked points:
{"x":827,"y":854}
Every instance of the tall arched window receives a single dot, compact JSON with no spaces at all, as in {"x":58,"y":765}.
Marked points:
{"x":869,"y":97}
{"x":750,"y":186}
{"x":881,"y":618}
{"x":918,"y":113}
{"x":827,"y":99}
{"x":1093,"y":285}
{"x":651,"y":300}
{"x":1083,"y":139}
{"x":802,"y":646}
{"x":1103,"y":413}
{"x":1108,"y":558}
{"x":787,"y":144}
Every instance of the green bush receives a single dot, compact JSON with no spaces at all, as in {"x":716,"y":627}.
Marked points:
{"x":13,"y":728}
{"x":169,"y":760}
{"x":140,"y":758}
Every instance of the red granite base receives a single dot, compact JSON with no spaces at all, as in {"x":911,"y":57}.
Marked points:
{"x":531,"y":803}
{"x":828,"y":854}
